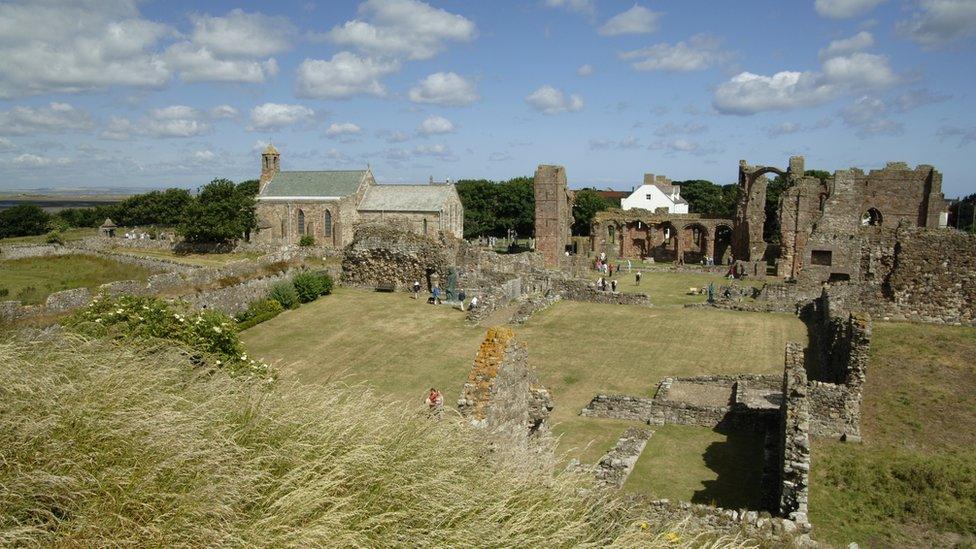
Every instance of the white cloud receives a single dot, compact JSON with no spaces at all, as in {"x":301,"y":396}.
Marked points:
{"x":549,"y":100}
{"x":868,"y":115}
{"x":393,"y":136}
{"x":223,"y":111}
{"x":444,"y":88}
{"x":259,"y":145}
{"x":499,"y":157}
{"x":965,"y":135}
{"x":273,"y":116}
{"x":700,"y":52}
{"x":441,"y":152}
{"x":860,"y":41}
{"x":65,"y":46}
{"x":55,"y":118}
{"x":242,"y":34}
{"x":679,"y":129}
{"x":204,"y":156}
{"x":940,"y":22}
{"x":586,"y":7}
{"x":585,"y":70}
{"x":748,"y":93}
{"x":636,"y":20}
{"x":199,"y":64}
{"x":403,"y":28}
{"x":342,"y":128}
{"x":173,"y":121}
{"x":681,"y":145}
{"x":345,"y":75}
{"x":435,"y":125}
{"x":35,"y":161}
{"x":786,"y":128}
{"x":6,"y":144}
{"x":606,"y":144}
{"x":843,"y":9}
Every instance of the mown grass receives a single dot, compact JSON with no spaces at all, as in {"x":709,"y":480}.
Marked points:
{"x":716,"y":468}
{"x":669,"y":289}
{"x":401,"y":347}
{"x":105,"y":445}
{"x":913,"y":480}
{"x":68,"y":235}
{"x":196,"y":259}
{"x":31,"y":280}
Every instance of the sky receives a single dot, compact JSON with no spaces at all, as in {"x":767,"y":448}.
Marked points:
{"x":126,"y":94}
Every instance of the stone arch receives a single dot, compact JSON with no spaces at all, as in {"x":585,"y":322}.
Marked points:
{"x":301,"y":222}
{"x":695,"y":242}
{"x":872,"y":218}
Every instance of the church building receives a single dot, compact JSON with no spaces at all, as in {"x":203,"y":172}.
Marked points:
{"x":327,"y":204}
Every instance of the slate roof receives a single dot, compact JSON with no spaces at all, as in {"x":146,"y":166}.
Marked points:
{"x":406,"y":198}
{"x":314,"y":184}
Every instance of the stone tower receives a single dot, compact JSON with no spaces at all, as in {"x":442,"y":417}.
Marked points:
{"x":553,"y":214}
{"x":270,"y":165}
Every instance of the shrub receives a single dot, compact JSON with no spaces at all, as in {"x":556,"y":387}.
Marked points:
{"x":258,"y":312}
{"x":129,"y":317}
{"x":54,"y":237}
{"x":284,"y":293}
{"x":306,"y":241}
{"x":325,"y":281}
{"x":122,"y":445}
{"x":4,"y":292}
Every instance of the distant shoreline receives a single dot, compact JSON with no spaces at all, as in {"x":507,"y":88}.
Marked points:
{"x":51,"y":204}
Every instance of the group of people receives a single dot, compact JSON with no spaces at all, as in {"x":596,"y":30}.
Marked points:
{"x":435,"y":296}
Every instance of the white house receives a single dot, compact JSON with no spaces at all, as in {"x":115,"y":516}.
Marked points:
{"x":656,"y":192}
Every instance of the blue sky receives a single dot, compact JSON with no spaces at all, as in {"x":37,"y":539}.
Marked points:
{"x":116,"y":93}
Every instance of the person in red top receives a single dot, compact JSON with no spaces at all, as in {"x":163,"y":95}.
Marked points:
{"x":435,"y":400}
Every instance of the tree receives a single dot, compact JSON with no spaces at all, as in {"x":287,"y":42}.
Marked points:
{"x":588,"y":203}
{"x":153,"y":208}
{"x":246,"y":191}
{"x":219,"y":213}
{"x":492,"y":208}
{"x":708,"y":199}
{"x":23,"y":220}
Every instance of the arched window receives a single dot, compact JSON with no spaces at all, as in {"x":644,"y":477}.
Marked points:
{"x":284,"y":227}
{"x":301,"y":223}
{"x":872,"y":217}
{"x":327,"y":224}
{"x":425,"y":225}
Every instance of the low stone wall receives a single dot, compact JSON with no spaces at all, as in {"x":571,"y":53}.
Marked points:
{"x":27,"y":251}
{"x":619,"y":407}
{"x":738,"y":412}
{"x":614,"y":467}
{"x":234,"y":300}
{"x":583,"y":290}
{"x":779,"y":532}
{"x":531,"y":305}
{"x":795,"y":440}
{"x":56,"y":303}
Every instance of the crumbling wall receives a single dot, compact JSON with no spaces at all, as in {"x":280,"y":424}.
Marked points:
{"x":795,"y":440}
{"x":502,"y":395}
{"x":383,"y":254}
{"x":619,"y":407}
{"x":573,"y":289}
{"x":614,"y":467}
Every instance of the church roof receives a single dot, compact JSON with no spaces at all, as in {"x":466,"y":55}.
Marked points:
{"x":406,"y":198}
{"x":314,"y":184}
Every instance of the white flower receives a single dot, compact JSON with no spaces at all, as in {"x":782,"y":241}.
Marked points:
{"x":244,"y":357}
{"x":219,"y":363}
{"x":216,"y":329}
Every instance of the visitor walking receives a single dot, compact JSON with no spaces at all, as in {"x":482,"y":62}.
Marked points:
{"x":436,"y":292}
{"x":628,"y":266}
{"x":461,"y":296}
{"x":610,"y":270}
{"x":613,"y":286}
{"x":416,"y":289}
{"x":473,"y":304}
{"x":637,"y":278}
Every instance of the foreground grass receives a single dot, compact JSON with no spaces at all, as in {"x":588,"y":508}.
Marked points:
{"x":401,"y":347}
{"x":717,"y":468}
{"x":31,"y":280}
{"x":104,"y":445}
{"x":913,"y":480}
{"x":195,"y":259}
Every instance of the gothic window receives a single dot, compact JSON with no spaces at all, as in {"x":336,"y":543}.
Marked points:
{"x":872,"y":217}
{"x":327,"y":224}
{"x":301,"y":223}
{"x":425,"y":225}
{"x":284,"y":228}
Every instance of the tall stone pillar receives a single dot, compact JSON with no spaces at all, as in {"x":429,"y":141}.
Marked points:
{"x":553,"y":212}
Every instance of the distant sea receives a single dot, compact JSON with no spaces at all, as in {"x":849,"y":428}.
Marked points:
{"x":54,"y":204}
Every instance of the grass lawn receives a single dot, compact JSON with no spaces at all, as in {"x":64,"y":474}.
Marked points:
{"x":69,"y":235}
{"x":401,"y":347}
{"x":31,"y":280}
{"x":200,"y":260}
{"x":913,"y":480}
{"x":668,"y":289}
{"x":715,"y":468}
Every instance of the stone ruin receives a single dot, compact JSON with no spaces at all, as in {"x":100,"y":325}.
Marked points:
{"x":502,"y":395}
{"x":382,"y":254}
{"x":553,"y":213}
{"x":638,"y":234}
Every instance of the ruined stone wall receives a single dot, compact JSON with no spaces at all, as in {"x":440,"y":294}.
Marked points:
{"x":553,"y":213}
{"x":614,"y":467}
{"x":901,"y":194}
{"x":502,"y":395}
{"x":744,"y":401}
{"x":619,"y":407}
{"x":583,"y":290}
{"x":795,"y":441}
{"x":382,"y":254}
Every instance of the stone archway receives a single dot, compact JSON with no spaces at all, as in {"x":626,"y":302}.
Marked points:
{"x":722,"y":244}
{"x":748,"y":243}
{"x":872,"y":218}
{"x":694,"y":243}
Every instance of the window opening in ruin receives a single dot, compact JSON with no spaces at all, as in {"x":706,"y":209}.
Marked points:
{"x":327,"y":224}
{"x":871,"y":218}
{"x":821,"y":257}
{"x":613,"y":237}
{"x":839,"y":277}
{"x":425,"y":225}
{"x":301,"y":222}
{"x":284,"y":228}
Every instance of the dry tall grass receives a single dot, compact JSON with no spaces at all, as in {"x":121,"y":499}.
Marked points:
{"x":103,"y":444}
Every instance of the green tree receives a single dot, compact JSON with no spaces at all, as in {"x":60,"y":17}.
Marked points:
{"x":153,"y":208}
{"x":708,"y":199}
{"x":23,"y":220}
{"x":492,"y":208}
{"x":588,"y":202}
{"x":217,"y":214}
{"x":246,"y":191}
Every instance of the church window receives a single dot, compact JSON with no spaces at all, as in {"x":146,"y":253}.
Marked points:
{"x":301,"y":223}
{"x":327,"y":224}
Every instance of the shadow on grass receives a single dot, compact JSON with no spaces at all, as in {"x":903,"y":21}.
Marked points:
{"x":738,"y":462}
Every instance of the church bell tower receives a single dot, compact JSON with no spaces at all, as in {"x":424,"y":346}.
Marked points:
{"x":270,"y":165}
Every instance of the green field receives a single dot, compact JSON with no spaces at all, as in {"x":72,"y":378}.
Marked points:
{"x":400,"y":347}
{"x":68,"y":235}
{"x":198,"y":260}
{"x":912,"y":483}
{"x":31,"y":280}
{"x":670,"y":288}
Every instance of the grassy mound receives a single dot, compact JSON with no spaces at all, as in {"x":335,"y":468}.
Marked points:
{"x":110,"y":444}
